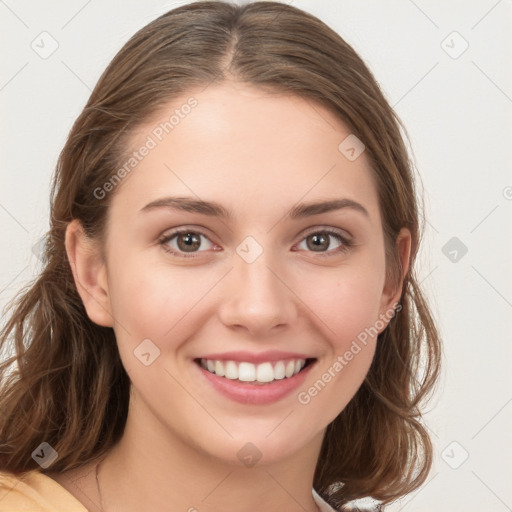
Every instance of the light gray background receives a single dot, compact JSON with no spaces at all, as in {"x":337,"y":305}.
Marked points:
{"x":458,"y":111}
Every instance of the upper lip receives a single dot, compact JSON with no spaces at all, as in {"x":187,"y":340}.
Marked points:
{"x":255,"y":358}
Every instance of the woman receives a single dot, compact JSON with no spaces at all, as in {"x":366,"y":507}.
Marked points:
{"x":228,"y":317}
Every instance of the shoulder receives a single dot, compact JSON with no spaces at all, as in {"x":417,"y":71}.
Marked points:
{"x":323,"y":506}
{"x":359,"y":505}
{"x":35,"y":492}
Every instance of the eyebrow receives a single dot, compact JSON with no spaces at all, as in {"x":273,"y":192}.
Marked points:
{"x":213,"y":209}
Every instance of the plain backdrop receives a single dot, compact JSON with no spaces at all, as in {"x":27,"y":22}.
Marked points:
{"x":445,"y":67}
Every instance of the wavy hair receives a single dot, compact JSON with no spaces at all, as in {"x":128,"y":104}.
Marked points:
{"x":69,"y":387}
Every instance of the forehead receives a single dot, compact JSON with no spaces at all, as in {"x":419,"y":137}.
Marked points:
{"x":234,"y":142}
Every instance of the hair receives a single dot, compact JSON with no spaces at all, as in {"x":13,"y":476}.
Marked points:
{"x":70,"y":388}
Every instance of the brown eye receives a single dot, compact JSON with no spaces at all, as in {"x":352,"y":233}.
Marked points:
{"x":325,"y":242}
{"x":318,"y":242}
{"x":321,"y":241}
{"x":188,"y":242}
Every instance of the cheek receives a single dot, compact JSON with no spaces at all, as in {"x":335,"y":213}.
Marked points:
{"x":155,"y":303}
{"x":347,"y":301}
{"x":149,"y":301}
{"x":347,"y":306}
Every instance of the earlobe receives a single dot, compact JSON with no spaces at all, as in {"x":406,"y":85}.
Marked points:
{"x":89,"y":273}
{"x":392,"y":292}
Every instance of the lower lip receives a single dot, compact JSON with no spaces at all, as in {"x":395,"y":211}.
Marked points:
{"x":257,"y":394}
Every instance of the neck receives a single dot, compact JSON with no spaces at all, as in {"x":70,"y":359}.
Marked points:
{"x":152,"y":469}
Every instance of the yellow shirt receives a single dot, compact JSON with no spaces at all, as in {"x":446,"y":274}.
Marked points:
{"x":36,"y":492}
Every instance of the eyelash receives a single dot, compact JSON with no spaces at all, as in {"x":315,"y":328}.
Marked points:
{"x":345,"y":246}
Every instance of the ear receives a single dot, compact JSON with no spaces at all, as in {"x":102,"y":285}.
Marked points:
{"x":90,"y":274}
{"x":392,"y":291}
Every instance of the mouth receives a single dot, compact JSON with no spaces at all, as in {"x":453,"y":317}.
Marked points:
{"x":257,"y":381}
{"x":256,"y":374}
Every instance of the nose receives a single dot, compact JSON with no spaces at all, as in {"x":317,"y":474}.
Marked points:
{"x":257,"y":298}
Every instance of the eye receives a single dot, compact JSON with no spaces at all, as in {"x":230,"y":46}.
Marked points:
{"x":184,"y":242}
{"x":187,"y":242}
{"x":321,"y":242}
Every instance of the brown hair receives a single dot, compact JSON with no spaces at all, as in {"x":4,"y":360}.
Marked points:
{"x":70,"y":388}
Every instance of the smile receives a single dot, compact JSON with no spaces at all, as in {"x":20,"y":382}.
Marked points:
{"x":244,"y":371}
{"x":254,"y":379}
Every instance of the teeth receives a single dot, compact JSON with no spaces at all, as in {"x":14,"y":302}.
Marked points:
{"x":246,"y":372}
{"x":249,"y":372}
{"x":231,"y":370}
{"x":264,"y":372}
{"x":279,"y":370}
{"x":219,"y":369}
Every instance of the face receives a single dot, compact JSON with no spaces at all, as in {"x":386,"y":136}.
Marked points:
{"x":253,"y":318}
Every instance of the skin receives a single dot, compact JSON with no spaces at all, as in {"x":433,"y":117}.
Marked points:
{"x":258,"y":155}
